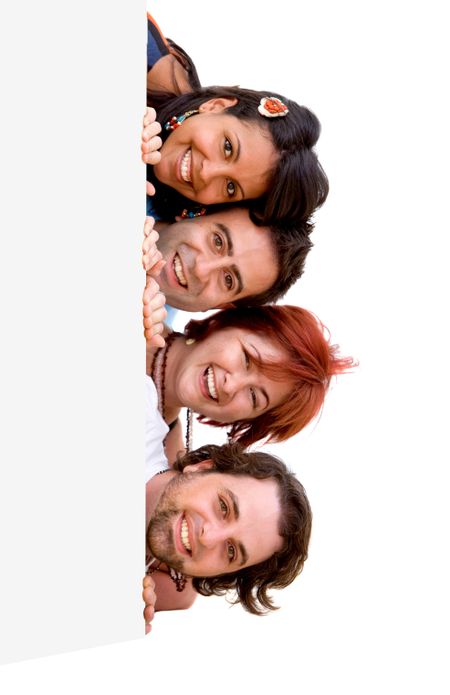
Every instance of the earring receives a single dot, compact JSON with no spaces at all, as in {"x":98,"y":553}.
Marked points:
{"x":190,"y":341}
{"x":190,"y":214}
{"x":176,"y":121}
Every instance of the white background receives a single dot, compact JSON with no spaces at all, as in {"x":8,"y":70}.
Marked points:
{"x":370,"y":613}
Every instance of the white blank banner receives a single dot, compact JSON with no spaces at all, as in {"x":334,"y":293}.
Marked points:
{"x":71,"y":495}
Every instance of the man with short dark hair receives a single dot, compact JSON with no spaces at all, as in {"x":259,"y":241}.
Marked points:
{"x":221,"y":259}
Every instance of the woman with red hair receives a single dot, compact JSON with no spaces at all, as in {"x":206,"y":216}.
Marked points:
{"x":262,"y":371}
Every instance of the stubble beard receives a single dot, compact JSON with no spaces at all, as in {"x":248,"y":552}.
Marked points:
{"x":160,"y":538}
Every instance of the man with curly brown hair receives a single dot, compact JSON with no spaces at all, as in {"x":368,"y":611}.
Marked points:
{"x":220,"y":520}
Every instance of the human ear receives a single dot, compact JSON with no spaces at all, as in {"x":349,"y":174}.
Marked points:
{"x":217,"y":105}
{"x":200,"y":466}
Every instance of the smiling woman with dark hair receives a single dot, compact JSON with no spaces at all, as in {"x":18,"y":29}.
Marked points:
{"x":226,"y":144}
{"x":223,"y":145}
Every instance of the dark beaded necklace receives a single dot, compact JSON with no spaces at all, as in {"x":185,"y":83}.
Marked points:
{"x":158,"y":374}
{"x":178,"y":579}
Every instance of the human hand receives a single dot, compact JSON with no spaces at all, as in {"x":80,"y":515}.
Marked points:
{"x":152,"y":260}
{"x":150,"y":140}
{"x":149,"y":598}
{"x":153,"y":313}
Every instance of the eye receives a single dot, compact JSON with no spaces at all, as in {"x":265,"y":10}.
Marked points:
{"x":247,"y":359}
{"x":218,"y":241}
{"x":228,"y":281}
{"x":223,"y":507}
{"x":253,"y":397}
{"x":231,"y":552}
{"x":231,"y":189}
{"x":227,"y":148}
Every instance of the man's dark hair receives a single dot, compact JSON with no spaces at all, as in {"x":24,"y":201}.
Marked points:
{"x":252,"y":584}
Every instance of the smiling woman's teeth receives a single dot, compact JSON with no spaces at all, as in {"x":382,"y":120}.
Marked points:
{"x":211,"y":384}
{"x":185,"y":535}
{"x":186,"y":167}
{"x":179,"y":270}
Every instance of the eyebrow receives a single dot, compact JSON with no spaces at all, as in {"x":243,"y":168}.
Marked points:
{"x":236,"y":159}
{"x":234,"y":501}
{"x":244,"y":555}
{"x":230,"y":250}
{"x":263,"y":390}
{"x":238,"y":152}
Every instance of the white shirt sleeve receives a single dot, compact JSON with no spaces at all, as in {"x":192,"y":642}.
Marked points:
{"x":155,"y":433}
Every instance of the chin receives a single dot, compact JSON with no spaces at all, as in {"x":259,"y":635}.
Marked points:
{"x":215,"y":416}
{"x":173,"y":301}
{"x":189,"y":195}
{"x":179,"y":304}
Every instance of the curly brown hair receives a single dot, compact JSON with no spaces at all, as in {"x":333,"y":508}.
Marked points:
{"x":252,"y":584}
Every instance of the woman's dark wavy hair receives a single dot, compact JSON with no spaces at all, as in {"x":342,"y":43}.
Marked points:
{"x":252,"y":584}
{"x":298,"y":185}
{"x":186,"y":62}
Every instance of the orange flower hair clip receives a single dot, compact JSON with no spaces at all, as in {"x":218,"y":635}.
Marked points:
{"x":272,"y":107}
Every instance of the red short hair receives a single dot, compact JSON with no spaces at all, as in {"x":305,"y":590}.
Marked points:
{"x":312,"y":362}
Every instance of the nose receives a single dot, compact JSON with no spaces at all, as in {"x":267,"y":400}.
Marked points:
{"x":236,"y":381}
{"x":211,"y":170}
{"x":213,"y":534}
{"x":206,"y":267}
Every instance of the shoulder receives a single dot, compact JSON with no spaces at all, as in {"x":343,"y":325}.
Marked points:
{"x":157,"y":45}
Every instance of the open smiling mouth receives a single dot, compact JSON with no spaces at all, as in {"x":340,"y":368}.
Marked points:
{"x":208,"y":377}
{"x":184,"y":535}
{"x":178,"y":270}
{"x":185,"y":168}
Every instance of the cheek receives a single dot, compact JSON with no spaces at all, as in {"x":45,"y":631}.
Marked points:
{"x":182,"y":390}
{"x":201,"y":136}
{"x":283,"y":394}
{"x":172,"y":141}
{"x":166,"y":149}
{"x":239,"y":409}
{"x":162,"y":171}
